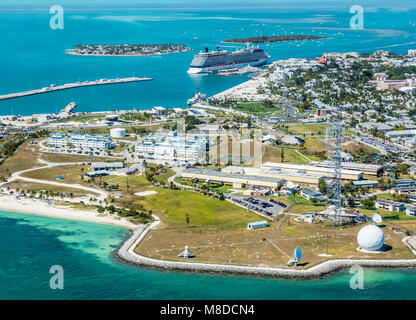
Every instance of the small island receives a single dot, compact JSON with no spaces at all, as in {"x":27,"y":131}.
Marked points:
{"x":267,"y":39}
{"x":126,"y":49}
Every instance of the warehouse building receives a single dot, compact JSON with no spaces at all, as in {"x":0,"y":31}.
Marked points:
{"x":366,"y":183}
{"x":350,"y":175}
{"x":295,"y":177}
{"x":98,"y":166}
{"x":372,"y":170}
{"x":236,"y":180}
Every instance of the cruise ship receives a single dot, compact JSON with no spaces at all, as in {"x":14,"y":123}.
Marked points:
{"x":212,"y":61}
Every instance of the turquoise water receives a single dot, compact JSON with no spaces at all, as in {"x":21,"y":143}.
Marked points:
{"x":30,"y":245}
{"x":32,"y":55}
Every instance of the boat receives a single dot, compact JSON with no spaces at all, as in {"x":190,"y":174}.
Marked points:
{"x":213,"y":61}
{"x":198,"y":97}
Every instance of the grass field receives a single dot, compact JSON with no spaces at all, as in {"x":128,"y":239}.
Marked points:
{"x":273,"y":154}
{"x":24,"y":158}
{"x":241,"y":246}
{"x":173,"y":205}
{"x":302,"y":205}
{"x":61,"y":158}
{"x":309,"y":128}
{"x":256,"y":107}
{"x":71,"y":174}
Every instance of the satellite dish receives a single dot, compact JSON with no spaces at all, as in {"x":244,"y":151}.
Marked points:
{"x":376,"y":218}
{"x":290,"y":184}
{"x":297,"y":253}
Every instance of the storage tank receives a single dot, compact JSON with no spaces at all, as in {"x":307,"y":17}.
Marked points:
{"x":118,"y":133}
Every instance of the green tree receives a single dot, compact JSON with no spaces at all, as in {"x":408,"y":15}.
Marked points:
{"x":322,"y":186}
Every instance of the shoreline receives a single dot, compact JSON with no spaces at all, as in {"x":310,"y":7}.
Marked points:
{"x":126,"y":254}
{"x":122,"y":55}
{"x":273,"y":41}
{"x":40,"y":208}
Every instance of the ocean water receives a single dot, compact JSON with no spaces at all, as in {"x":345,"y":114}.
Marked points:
{"x":30,"y":245}
{"x":32,"y":54}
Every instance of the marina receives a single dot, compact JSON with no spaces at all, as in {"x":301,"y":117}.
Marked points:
{"x":54,"y":87}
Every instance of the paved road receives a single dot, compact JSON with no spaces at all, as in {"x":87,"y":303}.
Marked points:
{"x":18,"y":176}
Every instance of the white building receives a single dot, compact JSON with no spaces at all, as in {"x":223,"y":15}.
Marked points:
{"x":80,"y":141}
{"x":160,"y":111}
{"x":171,"y":146}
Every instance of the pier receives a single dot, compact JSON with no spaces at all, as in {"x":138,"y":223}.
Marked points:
{"x":53,"y":87}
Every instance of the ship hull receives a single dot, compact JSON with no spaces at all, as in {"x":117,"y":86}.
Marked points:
{"x":260,"y":62}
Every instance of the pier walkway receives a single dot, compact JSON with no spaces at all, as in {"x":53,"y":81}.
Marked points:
{"x":53,"y":87}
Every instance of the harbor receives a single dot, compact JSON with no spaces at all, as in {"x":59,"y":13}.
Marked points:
{"x":54,"y":87}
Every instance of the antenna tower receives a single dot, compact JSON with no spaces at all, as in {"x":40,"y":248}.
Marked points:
{"x":334,"y":139}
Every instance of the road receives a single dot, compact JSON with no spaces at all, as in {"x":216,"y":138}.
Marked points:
{"x":18,"y":176}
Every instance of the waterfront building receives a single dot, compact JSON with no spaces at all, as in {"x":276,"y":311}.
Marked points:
{"x":159,"y":111}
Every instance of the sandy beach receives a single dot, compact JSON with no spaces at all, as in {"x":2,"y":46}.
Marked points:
{"x":39,"y":207}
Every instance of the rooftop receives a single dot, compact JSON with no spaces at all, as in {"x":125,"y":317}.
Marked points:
{"x":211,"y":172}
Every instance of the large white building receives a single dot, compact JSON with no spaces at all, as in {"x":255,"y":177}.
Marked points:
{"x":80,"y":141}
{"x":170,"y":146}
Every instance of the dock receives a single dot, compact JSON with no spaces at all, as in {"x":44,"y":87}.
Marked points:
{"x":54,"y":87}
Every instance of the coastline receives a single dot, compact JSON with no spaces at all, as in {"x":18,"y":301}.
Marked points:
{"x":127,"y":254}
{"x":123,"y":55}
{"x":40,"y":208}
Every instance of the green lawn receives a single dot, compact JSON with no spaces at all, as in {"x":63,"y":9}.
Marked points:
{"x":256,"y":108}
{"x":163,"y":177}
{"x":312,"y":128}
{"x":273,"y":154}
{"x":172,"y":206}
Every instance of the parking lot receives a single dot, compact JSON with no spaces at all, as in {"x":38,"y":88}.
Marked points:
{"x":266,"y":207}
{"x":84,"y":151}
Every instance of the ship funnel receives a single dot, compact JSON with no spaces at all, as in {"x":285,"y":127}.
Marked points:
{"x":218,"y":48}
{"x":206,"y":49}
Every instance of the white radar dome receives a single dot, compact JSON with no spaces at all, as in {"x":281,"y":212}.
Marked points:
{"x":370,"y":238}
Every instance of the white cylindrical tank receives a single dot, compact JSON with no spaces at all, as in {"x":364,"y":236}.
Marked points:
{"x":370,"y":238}
{"x":118,"y":133}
